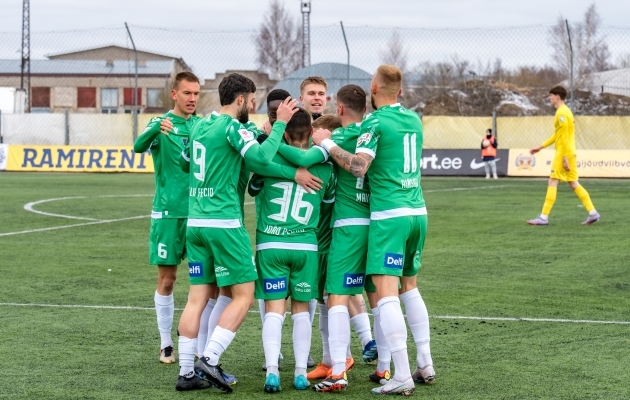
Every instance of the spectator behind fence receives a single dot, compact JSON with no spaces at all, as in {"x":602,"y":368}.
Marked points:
{"x":489,"y":153}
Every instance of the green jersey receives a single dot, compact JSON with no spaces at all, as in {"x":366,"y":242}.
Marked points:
{"x":171,"y":183}
{"x":352,"y":197}
{"x":216,"y":146}
{"x":393,"y":136}
{"x":289,"y":214}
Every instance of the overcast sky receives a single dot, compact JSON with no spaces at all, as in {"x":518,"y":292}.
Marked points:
{"x":47,"y":15}
{"x":479,"y":31}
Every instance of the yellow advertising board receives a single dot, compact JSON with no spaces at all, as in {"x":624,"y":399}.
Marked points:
{"x":77,"y":159}
{"x":591,"y":163}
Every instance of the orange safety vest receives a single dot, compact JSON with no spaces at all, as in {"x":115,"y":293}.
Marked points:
{"x":489,"y":151}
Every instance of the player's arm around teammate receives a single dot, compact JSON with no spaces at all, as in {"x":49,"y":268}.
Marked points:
{"x":219,"y":249}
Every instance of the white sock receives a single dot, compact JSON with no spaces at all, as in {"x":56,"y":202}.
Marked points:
{"x":323,"y":330}
{"x":164,"y":308}
{"x":384,"y":356}
{"x":222,"y":303}
{"x":361,"y":325}
{"x":544,"y":216}
{"x":202,"y":336}
{"x":218,"y":343}
{"x":187,"y":348}
{"x":272,"y":337}
{"x":312,"y":306}
{"x":592,"y":212}
{"x":418,"y":319}
{"x":395,"y":332}
{"x":338,"y":337}
{"x":301,"y":341}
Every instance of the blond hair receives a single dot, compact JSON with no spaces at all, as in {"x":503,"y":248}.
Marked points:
{"x":330,"y":122}
{"x":313,"y":79}
{"x":389,"y":78}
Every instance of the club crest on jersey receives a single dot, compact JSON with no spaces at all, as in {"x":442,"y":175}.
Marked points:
{"x":561,"y":119}
{"x":353,"y":280}
{"x":195,"y":269}
{"x":246,"y":135}
{"x":365,"y":138}
{"x":275,"y":285}
{"x":393,"y":260}
{"x":185,"y":142}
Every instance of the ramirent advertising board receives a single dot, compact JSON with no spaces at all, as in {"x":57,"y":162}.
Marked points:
{"x":77,"y":159}
{"x":445,"y":162}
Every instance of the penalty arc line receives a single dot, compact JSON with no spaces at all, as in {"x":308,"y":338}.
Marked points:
{"x":459,"y":317}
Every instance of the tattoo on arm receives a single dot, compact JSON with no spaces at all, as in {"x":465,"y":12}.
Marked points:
{"x":356,"y":164}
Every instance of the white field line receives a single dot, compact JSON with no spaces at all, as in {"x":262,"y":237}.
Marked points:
{"x":507,"y":319}
{"x":29,"y":207}
{"x":52,"y":228}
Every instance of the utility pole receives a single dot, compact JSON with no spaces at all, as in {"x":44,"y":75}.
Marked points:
{"x":306,"y":33}
{"x":25,"y":76}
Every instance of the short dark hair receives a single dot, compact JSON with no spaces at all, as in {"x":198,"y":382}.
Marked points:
{"x":559,"y":91}
{"x":489,"y":130}
{"x":184,"y":76}
{"x":277,"y":94}
{"x":233,"y":86}
{"x":328,"y":121}
{"x":299,"y":127}
{"x":353,"y":97}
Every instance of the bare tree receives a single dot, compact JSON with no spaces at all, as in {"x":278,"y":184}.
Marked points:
{"x":395,"y":53}
{"x":278,"y":42}
{"x":590,"y":51}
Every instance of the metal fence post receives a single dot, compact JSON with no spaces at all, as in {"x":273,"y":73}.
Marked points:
{"x":347,"y":49}
{"x":67,"y":128}
{"x":0,"y":126}
{"x":135,"y":93}
{"x":571,"y":50}
{"x":494,"y":124}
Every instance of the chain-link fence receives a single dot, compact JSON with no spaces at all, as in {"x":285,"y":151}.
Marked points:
{"x":83,"y":83}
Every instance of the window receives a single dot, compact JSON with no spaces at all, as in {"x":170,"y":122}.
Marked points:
{"x":40,"y":99}
{"x":155,"y":98}
{"x":128,"y":96}
{"x":86,"y":97}
{"x":109,"y":100}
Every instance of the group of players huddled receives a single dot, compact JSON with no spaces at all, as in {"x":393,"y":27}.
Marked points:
{"x":339,"y":210}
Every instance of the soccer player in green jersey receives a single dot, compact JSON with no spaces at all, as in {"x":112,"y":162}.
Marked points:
{"x":286,"y":255}
{"x":357,"y":310}
{"x":345,"y":273}
{"x":389,"y":152}
{"x":166,"y":136}
{"x":218,"y":245}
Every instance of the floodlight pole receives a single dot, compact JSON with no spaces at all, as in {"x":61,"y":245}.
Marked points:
{"x":347,"y":50}
{"x":25,"y":76}
{"x":135,"y":92}
{"x":306,"y":33}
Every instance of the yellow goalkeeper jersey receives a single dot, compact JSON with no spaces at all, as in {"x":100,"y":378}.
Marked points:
{"x":564,"y":135}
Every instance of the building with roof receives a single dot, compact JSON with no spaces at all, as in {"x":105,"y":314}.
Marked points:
{"x":99,"y":80}
{"x":336,"y":75}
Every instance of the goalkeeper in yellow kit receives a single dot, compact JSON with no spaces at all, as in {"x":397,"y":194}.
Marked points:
{"x":564,"y":166}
